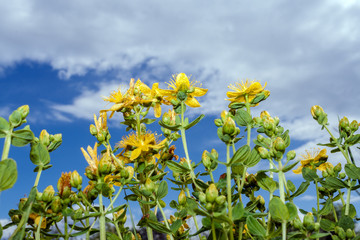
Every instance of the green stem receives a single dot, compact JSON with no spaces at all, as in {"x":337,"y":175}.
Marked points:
{"x":347,"y":206}
{"x":102,"y":219}
{"x":87,"y":223}
{"x":66,"y":229}
{"x":38,"y":176}
{"x":113,"y":200}
{"x":212,"y":177}
{"x":7,"y":144}
{"x":37,"y":234}
{"x":282,"y":197}
{"x":164,"y":217}
{"x":334,"y":211}
{"x":338,"y":145}
{"x":132,"y":220}
{"x":228,"y":188}
{"x":318,"y":217}
{"x":194,"y":216}
{"x":213,"y":230}
{"x":342,"y":198}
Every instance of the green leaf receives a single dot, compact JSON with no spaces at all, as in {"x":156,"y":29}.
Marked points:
{"x":177,"y":167}
{"x":319,"y":235}
{"x":236,"y":105}
{"x":309,"y":174}
{"x":158,"y":227}
{"x":242,"y":117}
{"x":22,"y":137}
{"x":335,"y":183}
{"x":255,"y":227}
{"x":289,"y":167}
{"x":172,"y":128}
{"x":266,"y":182}
{"x":286,"y":138}
{"x":302,"y":188}
{"x":291,"y":186}
{"x":175,"y":226}
{"x":293,"y":212}
{"x":327,"y":208}
{"x":8,"y":174}
{"x":4,"y":127}
{"x":352,"y":171}
{"x":1,"y":231}
{"x":95,"y":214}
{"x":148,"y":120}
{"x":327,"y":225}
{"x":194,"y":122}
{"x":116,"y":209}
{"x":240,"y":155}
{"x":353,"y":139}
{"x":238,"y":211}
{"x":39,"y":154}
{"x":162,"y":190}
{"x":346,"y":222}
{"x":253,"y":159}
{"x":278,"y":210}
{"x":352,"y":211}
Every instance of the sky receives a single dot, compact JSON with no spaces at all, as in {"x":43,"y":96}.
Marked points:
{"x":62,"y":57}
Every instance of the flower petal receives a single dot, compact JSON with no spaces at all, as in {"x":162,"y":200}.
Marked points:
{"x":298,"y":170}
{"x":192,"y":102}
{"x":199,"y":92}
{"x":157,"y":110}
{"x":135,"y":154}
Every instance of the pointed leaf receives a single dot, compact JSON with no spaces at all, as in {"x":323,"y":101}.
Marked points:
{"x":242,"y":117}
{"x":8,"y":174}
{"x":194,"y":122}
{"x":255,"y":227}
{"x":352,"y":171}
{"x":278,"y":210}
{"x":240,"y":155}
{"x":162,"y":190}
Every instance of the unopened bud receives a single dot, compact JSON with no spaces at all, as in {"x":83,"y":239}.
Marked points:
{"x":220,"y":200}
{"x":166,"y":118}
{"x":218,"y":122}
{"x":224,"y":115}
{"x":291,"y":155}
{"x":57,"y":137}
{"x":298,"y":224}
{"x":261,"y":199}
{"x":56,"y":204}
{"x":316,"y":226}
{"x":354,"y":125}
{"x":202,"y":197}
{"x":350,"y":233}
{"x":149,"y":185}
{"x":90,"y":174}
{"x":44,"y":138}
{"x":309,"y":222}
{"x":257,"y":120}
{"x":182,"y":198}
{"x":260,"y":138}
{"x":340,"y":232}
{"x":264,"y":115}
{"x":24,"y":111}
{"x":209,"y":206}
{"x":316,"y":111}
{"x":268,"y":125}
{"x":206,"y":159}
{"x":75,"y":180}
{"x":105,"y":163}
{"x":279,"y":144}
{"x":93,"y":130}
{"x":342,"y":175}
{"x":15,"y":118}
{"x":344,"y":123}
{"x":215,"y":153}
{"x":211,"y":193}
{"x":48,"y":194}
{"x":130,"y":171}
{"x":337,"y":167}
{"x":229,"y":126}
{"x":264,"y":154}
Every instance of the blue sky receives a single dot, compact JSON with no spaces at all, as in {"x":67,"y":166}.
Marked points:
{"x":62,"y":57}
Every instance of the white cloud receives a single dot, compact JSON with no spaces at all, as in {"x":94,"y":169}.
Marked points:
{"x":307,"y":52}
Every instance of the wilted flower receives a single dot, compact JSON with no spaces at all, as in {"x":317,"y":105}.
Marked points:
{"x":63,"y":185}
{"x":92,"y":158}
{"x":181,"y":83}
{"x":249,"y":89}
{"x":152,"y":95}
{"x":312,"y":158}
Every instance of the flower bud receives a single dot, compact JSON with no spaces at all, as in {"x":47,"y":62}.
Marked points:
{"x":75,"y":180}
{"x":44,"y":138}
{"x":324,"y":174}
{"x":206,"y":159}
{"x":220,"y":200}
{"x":224,"y":115}
{"x":344,"y":123}
{"x":211,"y":193}
{"x":264,"y":115}
{"x":264,"y":154}
{"x":298,"y":224}
{"x":316,"y":226}
{"x":57,"y":137}
{"x":279,"y":144}
{"x":48,"y":194}
{"x":257,"y":120}
{"x":105,"y":163}
{"x":350,"y":233}
{"x":120,"y":216}
{"x":309,"y":222}
{"x":229,"y":126}
{"x":342,"y":175}
{"x":93,"y":130}
{"x":337,"y":167}
{"x":130,"y":171}
{"x":209,"y":206}
{"x":291,"y":155}
{"x":261,"y":199}
{"x":166,"y":118}
{"x":182,"y":198}
{"x":215,"y":153}
{"x":354,"y":126}
{"x":202,"y":197}
{"x":237,"y":168}
{"x":340,"y":232}
{"x":15,"y":218}
{"x":149,"y":185}
{"x":89,"y":173}
{"x":316,"y":111}
{"x":22,"y":203}
{"x":268,"y":125}
{"x":64,"y":186}
{"x":24,"y":111}
{"x":73,"y":197}
{"x":277,"y":121}
{"x":260,"y":138}
{"x":56,"y":204}
{"x":15,"y":118}
{"x":218,"y":122}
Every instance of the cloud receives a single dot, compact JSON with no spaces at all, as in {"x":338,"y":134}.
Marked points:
{"x":307,"y":52}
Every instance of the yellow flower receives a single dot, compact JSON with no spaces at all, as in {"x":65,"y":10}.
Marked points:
{"x":181,"y":83}
{"x":151,"y":95}
{"x":312,"y":158}
{"x":251,"y":89}
{"x":91,"y":157}
{"x":142,"y":144}
{"x":36,"y":218}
